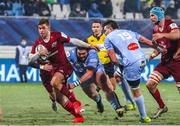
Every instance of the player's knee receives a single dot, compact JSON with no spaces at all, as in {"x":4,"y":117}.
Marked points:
{"x":149,"y":85}
{"x":153,"y":80}
{"x":136,"y":92}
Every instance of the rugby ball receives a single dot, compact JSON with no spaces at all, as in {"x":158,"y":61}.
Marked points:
{"x":38,"y":48}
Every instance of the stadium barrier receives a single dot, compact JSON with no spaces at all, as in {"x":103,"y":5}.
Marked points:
{"x":9,"y":72}
{"x":12,"y":28}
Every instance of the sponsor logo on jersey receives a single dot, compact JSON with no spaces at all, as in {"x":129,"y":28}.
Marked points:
{"x":54,"y":44}
{"x":133,"y":46}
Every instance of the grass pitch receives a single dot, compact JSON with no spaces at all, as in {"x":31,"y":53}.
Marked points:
{"x":29,"y":104}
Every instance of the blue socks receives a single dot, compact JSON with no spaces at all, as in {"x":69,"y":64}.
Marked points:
{"x":141,"y":107}
{"x":114,"y":101}
{"x":124,"y":85}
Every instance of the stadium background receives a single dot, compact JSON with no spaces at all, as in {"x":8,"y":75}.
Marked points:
{"x":18,"y":19}
{"x":12,"y":30}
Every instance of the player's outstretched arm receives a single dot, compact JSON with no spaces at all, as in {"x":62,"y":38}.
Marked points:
{"x":146,"y":41}
{"x":81,"y":43}
{"x":33,"y":57}
{"x":154,"y":54}
{"x":173,"y":35}
{"x":85,"y":77}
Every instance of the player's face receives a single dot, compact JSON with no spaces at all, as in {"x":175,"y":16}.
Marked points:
{"x":96,"y":29}
{"x":82,"y":54}
{"x":153,"y":18}
{"x":107,"y":30}
{"x":43,"y":30}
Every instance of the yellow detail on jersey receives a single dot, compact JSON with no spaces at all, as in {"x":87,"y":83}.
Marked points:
{"x":102,"y":54}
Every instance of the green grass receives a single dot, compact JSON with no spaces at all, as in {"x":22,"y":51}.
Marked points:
{"x":28,"y":104}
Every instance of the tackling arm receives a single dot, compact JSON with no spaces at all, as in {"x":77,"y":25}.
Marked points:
{"x":154,"y":54}
{"x":146,"y":41}
{"x":33,"y":62}
{"x":87,"y":75}
{"x":79,"y":42}
{"x":173,"y":35}
{"x":33,"y":57}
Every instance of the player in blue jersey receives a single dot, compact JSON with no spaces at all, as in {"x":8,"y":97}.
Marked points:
{"x":125,"y":44}
{"x":90,"y":72}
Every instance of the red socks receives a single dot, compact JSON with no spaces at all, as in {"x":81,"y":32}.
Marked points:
{"x":68,"y":93}
{"x":70,"y":108}
{"x":158,"y":98}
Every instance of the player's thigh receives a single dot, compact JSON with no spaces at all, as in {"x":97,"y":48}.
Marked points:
{"x":57,"y":79}
{"x":174,"y":67}
{"x":154,"y":79}
{"x":103,"y":81}
{"x":109,"y":69}
{"x":160,"y":72}
{"x":134,"y":71}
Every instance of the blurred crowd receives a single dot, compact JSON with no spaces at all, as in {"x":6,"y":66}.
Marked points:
{"x":88,"y":8}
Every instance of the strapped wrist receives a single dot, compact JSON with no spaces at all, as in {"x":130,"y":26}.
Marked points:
{"x":77,"y":83}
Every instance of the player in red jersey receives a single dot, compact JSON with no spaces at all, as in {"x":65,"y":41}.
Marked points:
{"x":166,"y":35}
{"x":49,"y":47}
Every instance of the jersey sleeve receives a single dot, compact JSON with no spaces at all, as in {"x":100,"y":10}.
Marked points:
{"x":173,"y":26}
{"x":93,"y":59}
{"x":33,"y":48}
{"x":63,"y":37}
{"x":107,"y":43}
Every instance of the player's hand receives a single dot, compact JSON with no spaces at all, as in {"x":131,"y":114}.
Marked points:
{"x":95,"y":47}
{"x":43,"y":52}
{"x":157,"y":36}
{"x":74,"y":84}
{"x":159,"y":48}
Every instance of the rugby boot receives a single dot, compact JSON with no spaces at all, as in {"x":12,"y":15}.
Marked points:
{"x":120,"y":112}
{"x":145,"y":120}
{"x":100,"y":106}
{"x":78,"y":120}
{"x":53,"y":106}
{"x":159,"y":112}
{"x":131,"y":107}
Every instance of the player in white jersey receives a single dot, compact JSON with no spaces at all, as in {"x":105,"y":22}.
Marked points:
{"x":125,"y":44}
